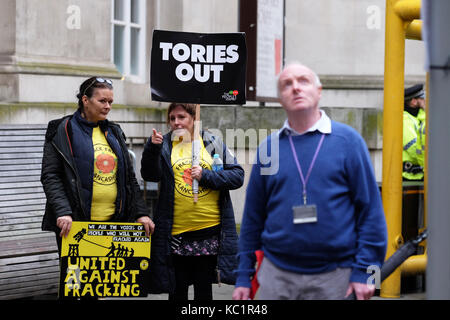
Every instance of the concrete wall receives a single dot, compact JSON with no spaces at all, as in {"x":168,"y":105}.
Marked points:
{"x":197,"y":16}
{"x":342,"y":37}
{"x":42,"y":30}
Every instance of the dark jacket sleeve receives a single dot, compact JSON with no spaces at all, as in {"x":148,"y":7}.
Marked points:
{"x":232,"y":175}
{"x":52,"y":180}
{"x":151,"y":161}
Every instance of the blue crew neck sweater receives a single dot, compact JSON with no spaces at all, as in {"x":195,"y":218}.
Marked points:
{"x":351,"y":228}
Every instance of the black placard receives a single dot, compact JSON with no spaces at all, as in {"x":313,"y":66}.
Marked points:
{"x":198,"y":68}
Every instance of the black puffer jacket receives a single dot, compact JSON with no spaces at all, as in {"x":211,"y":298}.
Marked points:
{"x":61,"y":180}
{"x":156,"y":166}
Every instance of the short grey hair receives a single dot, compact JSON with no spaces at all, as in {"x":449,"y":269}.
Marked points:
{"x":317,"y":81}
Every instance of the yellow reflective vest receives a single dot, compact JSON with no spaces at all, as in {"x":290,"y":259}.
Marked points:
{"x":413,"y":145}
{"x":421,"y":138}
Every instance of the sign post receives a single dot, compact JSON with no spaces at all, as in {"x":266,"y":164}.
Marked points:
{"x":196,"y":150}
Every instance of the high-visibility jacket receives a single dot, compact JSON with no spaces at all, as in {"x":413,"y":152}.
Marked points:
{"x":421,"y":138}
{"x":412,"y":149}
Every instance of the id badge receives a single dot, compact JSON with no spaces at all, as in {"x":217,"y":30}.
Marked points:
{"x":305,"y":214}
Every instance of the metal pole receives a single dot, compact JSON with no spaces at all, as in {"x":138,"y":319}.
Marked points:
{"x":394,"y":75}
{"x":438,"y":270}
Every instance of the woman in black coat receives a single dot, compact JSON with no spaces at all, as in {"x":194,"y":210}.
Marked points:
{"x":193,"y":243}
{"x":74,"y":168}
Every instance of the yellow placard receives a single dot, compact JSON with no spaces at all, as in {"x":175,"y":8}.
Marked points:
{"x":101,"y":259}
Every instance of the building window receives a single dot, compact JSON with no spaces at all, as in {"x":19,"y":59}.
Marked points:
{"x":128,"y":38}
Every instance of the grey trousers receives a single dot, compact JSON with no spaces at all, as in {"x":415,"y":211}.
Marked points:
{"x":278,"y":284}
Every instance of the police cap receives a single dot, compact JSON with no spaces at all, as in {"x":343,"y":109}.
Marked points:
{"x":415,"y":91}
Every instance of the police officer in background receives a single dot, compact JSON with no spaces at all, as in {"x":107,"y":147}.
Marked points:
{"x":414,"y":133}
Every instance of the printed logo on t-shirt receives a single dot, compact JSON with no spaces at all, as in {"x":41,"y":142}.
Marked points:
{"x":105,"y":165}
{"x":183,"y":179}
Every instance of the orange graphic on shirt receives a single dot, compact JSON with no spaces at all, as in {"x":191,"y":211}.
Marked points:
{"x":187,"y":176}
{"x":105,"y":163}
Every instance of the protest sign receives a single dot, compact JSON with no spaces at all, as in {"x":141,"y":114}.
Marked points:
{"x":104,"y":260}
{"x":198,"y":68}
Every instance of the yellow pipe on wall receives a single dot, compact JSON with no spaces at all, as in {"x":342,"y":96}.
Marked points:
{"x":408,"y":10}
{"x":414,"y":30}
{"x":393,"y":139}
{"x":414,"y":265}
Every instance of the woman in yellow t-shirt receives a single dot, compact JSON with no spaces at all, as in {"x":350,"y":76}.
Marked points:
{"x":87,"y":174}
{"x":200,"y":236}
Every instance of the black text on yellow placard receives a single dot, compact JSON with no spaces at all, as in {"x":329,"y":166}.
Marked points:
{"x":104,"y":260}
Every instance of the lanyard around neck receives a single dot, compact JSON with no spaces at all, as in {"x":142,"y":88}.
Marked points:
{"x":305,"y":180}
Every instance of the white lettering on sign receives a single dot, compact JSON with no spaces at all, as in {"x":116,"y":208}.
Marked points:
{"x":208,"y":60}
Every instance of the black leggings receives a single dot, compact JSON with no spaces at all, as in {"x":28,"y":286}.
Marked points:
{"x":196,"y":270}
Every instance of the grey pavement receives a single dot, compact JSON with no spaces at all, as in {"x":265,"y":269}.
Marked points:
{"x":224,"y":292}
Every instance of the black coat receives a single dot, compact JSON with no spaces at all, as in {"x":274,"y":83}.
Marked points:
{"x":61,"y":180}
{"x":156,"y":166}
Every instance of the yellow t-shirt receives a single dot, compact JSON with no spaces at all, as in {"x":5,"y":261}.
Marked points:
{"x":104,"y":188}
{"x":190,"y":216}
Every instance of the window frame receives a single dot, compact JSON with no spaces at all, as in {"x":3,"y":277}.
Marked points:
{"x":126,"y":49}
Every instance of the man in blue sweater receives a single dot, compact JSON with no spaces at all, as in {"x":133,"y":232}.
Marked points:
{"x":318,"y":218}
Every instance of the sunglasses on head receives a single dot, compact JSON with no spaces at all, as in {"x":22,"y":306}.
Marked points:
{"x":97,"y":80}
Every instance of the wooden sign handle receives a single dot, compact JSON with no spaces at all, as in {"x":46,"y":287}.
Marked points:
{"x":196,"y":150}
